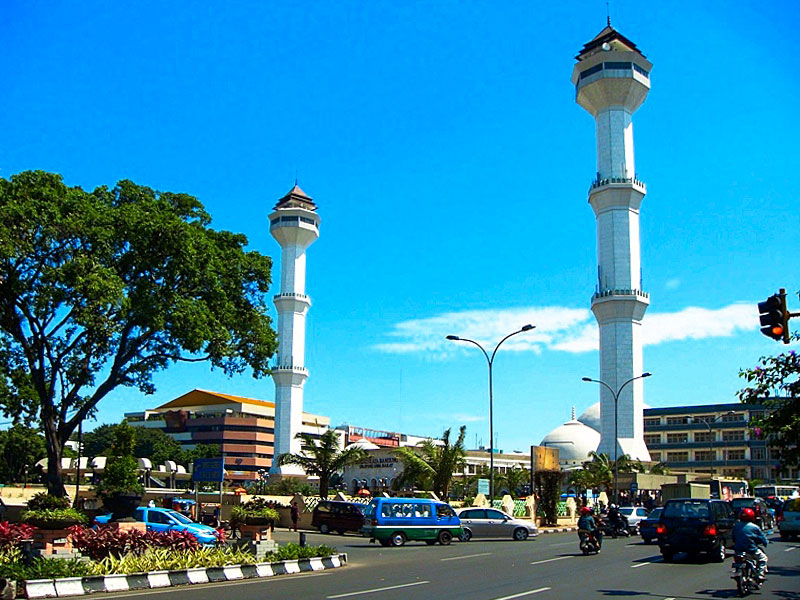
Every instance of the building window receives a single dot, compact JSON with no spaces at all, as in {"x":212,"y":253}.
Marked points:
{"x":758,"y":453}
{"x":703,"y":455}
{"x":677,"y":457}
{"x":756,"y":414}
{"x":736,"y":435}
{"x":759,"y":473}
{"x":703,"y":419}
{"x":677,"y":438}
{"x":655,"y":456}
{"x":703,"y":436}
{"x":653,"y":438}
{"x":653,"y":422}
{"x":677,"y":420}
{"x":734,"y":418}
{"x":735,"y":454}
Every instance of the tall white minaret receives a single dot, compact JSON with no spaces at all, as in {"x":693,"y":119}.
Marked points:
{"x":612,"y":78}
{"x":295,"y":226}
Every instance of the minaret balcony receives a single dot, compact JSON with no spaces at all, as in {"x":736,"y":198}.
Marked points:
{"x":289,"y":369}
{"x":620,"y":292}
{"x":617,"y":182}
{"x":291,"y":301}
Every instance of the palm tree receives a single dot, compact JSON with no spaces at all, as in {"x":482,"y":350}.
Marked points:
{"x":513,"y":479}
{"x":433,"y":463}
{"x":322,"y":457}
{"x":601,"y":470}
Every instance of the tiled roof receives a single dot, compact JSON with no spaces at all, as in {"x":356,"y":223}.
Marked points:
{"x":608,"y":34}
{"x":296,"y":198}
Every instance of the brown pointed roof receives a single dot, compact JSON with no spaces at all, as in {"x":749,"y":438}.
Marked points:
{"x":608,"y":34}
{"x":296,"y":198}
{"x":204,"y":397}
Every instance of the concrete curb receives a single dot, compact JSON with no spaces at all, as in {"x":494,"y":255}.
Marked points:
{"x":557,"y":530}
{"x":79,"y":586}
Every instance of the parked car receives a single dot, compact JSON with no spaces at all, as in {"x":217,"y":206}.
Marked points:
{"x":493,"y":523}
{"x":635,"y":515}
{"x":789,"y":519}
{"x":764,"y":518}
{"x":696,"y":525}
{"x":166,"y":519}
{"x":647,"y":527}
{"x":393,"y":521}
{"x":330,"y":515}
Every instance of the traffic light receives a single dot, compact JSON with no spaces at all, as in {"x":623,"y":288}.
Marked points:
{"x":774,"y":317}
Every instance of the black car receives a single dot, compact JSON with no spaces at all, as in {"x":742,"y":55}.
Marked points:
{"x":330,"y":515}
{"x":647,"y":527}
{"x":764,"y":518}
{"x":696,"y":525}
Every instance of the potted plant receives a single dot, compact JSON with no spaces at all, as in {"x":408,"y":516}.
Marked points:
{"x":50,"y":512}
{"x":119,"y":488}
{"x":255,"y":512}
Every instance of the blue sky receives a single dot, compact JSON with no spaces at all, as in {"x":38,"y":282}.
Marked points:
{"x":450,"y":163}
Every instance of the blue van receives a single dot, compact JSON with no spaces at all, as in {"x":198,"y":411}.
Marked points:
{"x":393,"y":521}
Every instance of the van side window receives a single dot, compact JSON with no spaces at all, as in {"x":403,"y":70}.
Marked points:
{"x":422,"y":510}
{"x":443,"y":510}
{"x":408,"y":510}
{"x":388,"y":509}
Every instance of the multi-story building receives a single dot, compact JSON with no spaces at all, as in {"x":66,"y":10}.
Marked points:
{"x":244,"y":428}
{"x":712,"y":438}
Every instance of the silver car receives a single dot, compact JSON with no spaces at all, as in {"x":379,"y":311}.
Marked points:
{"x":493,"y":523}
{"x":635,"y":515}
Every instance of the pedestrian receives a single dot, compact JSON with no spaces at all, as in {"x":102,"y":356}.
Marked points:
{"x":295,"y":512}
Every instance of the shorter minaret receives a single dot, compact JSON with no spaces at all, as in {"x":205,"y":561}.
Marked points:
{"x":295,"y":226}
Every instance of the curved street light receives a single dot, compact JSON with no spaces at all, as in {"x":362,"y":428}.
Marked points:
{"x":708,"y":424}
{"x":616,"y":394}
{"x":490,"y":360}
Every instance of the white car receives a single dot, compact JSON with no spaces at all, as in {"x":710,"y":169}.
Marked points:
{"x":493,"y":523}
{"x":634,"y":514}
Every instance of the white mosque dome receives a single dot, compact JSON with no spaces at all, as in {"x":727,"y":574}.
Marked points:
{"x":363,"y":444}
{"x":573,"y":439}
{"x":591,"y":416}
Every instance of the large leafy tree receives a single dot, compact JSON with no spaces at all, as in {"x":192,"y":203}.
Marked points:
{"x":775,"y":385}
{"x":433,"y":462}
{"x":322,"y":457}
{"x":102,"y":289}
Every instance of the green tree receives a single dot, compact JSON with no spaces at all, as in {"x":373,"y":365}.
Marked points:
{"x":433,"y":462}
{"x":157,"y":446}
{"x":514,"y":479}
{"x":103,"y":289}
{"x":322,"y":457}
{"x":98,"y":441}
{"x":775,"y":386}
{"x":600,"y":470}
{"x":21,"y":447}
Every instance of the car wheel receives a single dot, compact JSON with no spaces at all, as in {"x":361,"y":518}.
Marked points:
{"x":784,"y":536}
{"x":465,"y":536}
{"x":324,"y":528}
{"x":718,"y":553}
{"x":520,"y":534}
{"x":398,"y":538}
{"x":445,"y":537}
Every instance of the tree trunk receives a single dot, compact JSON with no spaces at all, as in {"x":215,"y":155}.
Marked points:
{"x":55,"y":478}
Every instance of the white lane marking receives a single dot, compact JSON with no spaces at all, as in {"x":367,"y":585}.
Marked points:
{"x":544,"y":589}
{"x":670,"y":598}
{"x":649,"y":562}
{"x":538,"y":562}
{"x":791,"y":548}
{"x":468,"y":556}
{"x":383,"y":589}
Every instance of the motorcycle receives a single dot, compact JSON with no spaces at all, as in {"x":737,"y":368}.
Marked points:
{"x":745,"y":572}
{"x":615,"y":529}
{"x":589,"y":542}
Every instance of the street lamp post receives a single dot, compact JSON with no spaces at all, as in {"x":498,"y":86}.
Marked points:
{"x":490,"y":360}
{"x":708,"y":424}
{"x":616,"y":394}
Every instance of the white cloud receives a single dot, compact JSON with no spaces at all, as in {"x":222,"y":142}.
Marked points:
{"x":673,"y":284}
{"x":557,"y":328}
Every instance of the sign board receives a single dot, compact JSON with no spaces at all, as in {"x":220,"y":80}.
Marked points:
{"x":483,"y":486}
{"x":207,"y":470}
{"x":544,"y":458}
{"x":634,"y":486}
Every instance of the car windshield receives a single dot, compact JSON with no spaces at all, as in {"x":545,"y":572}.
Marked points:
{"x":656,"y":513}
{"x":180,"y":517}
{"x":627,"y":511}
{"x":368,"y":510}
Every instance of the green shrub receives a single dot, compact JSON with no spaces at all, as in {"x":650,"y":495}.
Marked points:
{"x":169,"y":559}
{"x":44,"y":568}
{"x":45,"y":501}
{"x":53,"y":517}
{"x":294,"y":551}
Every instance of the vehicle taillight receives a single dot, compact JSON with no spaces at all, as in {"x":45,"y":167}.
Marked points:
{"x":779,"y":517}
{"x":710,"y":530}
{"x":661,"y":529}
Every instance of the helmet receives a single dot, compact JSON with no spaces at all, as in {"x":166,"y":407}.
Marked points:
{"x":613,"y":506}
{"x":747,"y":514}
{"x":586,"y":510}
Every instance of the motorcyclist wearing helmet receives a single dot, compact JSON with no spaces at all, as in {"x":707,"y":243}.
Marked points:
{"x":747,"y":537}
{"x":586,"y":522}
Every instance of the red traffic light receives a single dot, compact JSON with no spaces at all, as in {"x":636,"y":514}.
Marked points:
{"x":774,"y":316}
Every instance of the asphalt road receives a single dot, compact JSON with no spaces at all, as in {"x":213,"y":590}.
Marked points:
{"x":549,"y":567}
